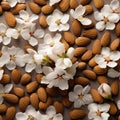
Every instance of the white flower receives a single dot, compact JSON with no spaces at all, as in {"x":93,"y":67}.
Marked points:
{"x":98,"y":111}
{"x":29,"y":114}
{"x":14,"y":2}
{"x":11,"y":57}
{"x":1,"y":73}
{"x":4,"y":89}
{"x":58,"y":21}
{"x":118,"y":104}
{"x":106,"y":18}
{"x":80,"y":96}
{"x":107,"y":58}
{"x":52,"y":2}
{"x":26,"y":19}
{"x":52,"y":115}
{"x":78,"y":14}
{"x":105,"y":90}
{"x":32,"y":35}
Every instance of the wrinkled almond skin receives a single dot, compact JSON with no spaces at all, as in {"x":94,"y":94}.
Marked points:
{"x":47,"y":9}
{"x":113,"y":108}
{"x":81,"y":65}
{"x":40,"y":2}
{"x":64,"y":5}
{"x":23,"y":103}
{"x":5,"y":5}
{"x":66,"y":45}
{"x":10,"y":19}
{"x":73,"y":4}
{"x":18,"y":91}
{"x":115,"y":44}
{"x":18,"y":8}
{"x":10,"y":113}
{"x":92,"y":62}
{"x":79,"y":51}
{"x":87,"y":55}
{"x":38,"y":77}
{"x":98,"y":3}
{"x":25,"y":79}
{"x":35,"y":8}
{"x":77,"y":114}
{"x":51,"y":91}
{"x":3,"y":108}
{"x":84,"y":2}
{"x":66,"y":102}
{"x":42,"y":21}
{"x":5,"y":79}
{"x":89,"y":9}
{"x":102,"y":79}
{"x":117,"y":29}
{"x":115,"y":87}
{"x":59,"y":107}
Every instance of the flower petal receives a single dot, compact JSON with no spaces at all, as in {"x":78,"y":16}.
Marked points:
{"x":29,"y":67}
{"x":100,"y":25}
{"x":24,"y":15}
{"x":33,"y":17}
{"x":51,"y":111}
{"x":1,"y":73}
{"x":1,"y":99}
{"x":6,"y":40}
{"x":114,"y":4}
{"x":113,"y":73}
{"x":112,"y":64}
{"x":115,"y":55}
{"x":106,"y":10}
{"x":21,"y":116}
{"x":65,"y":19}
{"x":58,"y":117}
{"x":12,"y":3}
{"x":8,"y":88}
{"x":118,"y":104}
{"x":39,"y":33}
{"x":3,"y":28}
{"x":86,"y":90}
{"x":25,"y":33}
{"x":80,"y":10}
{"x":78,"y":89}
{"x":98,"y":16}
{"x":114,"y":18}
{"x":105,"y":52}
{"x":72,"y":96}
{"x":33,"y":41}
{"x":11,"y":65}
{"x":85,"y":21}
{"x":110,"y":26}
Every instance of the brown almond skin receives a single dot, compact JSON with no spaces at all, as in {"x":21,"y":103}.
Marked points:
{"x":42,"y":21}
{"x":92,"y":62}
{"x":84,"y":2}
{"x":66,"y":102}
{"x":74,"y":59}
{"x":59,"y":107}
{"x":89,"y":9}
{"x":18,"y":91}
{"x":96,"y":47}
{"x":118,"y":117}
{"x":18,"y":8}
{"x":96,"y":96}
{"x":5,"y":79}
{"x":105,"y":39}
{"x":1,"y":118}
{"x":23,"y":103}
{"x":113,"y":108}
{"x":73,"y":4}
{"x":76,"y":28}
{"x":102,"y":79}
{"x":79,"y":51}
{"x":66,"y":45}
{"x":47,"y":9}
{"x":98,"y":3}
{"x":115,"y":87}
{"x":117,"y":29}
{"x":82,"y":41}
{"x":77,"y":114}
{"x":11,"y":98}
{"x":3,"y":108}
{"x":34,"y":100}
{"x":32,"y":87}
{"x":89,"y":74}
{"x":10,"y":19}
{"x":35,"y":8}
{"x":25,"y":79}
{"x":10,"y":113}
{"x":38,"y":77}
{"x":64,"y":5}
{"x":81,"y":65}
{"x":42,"y":94}
{"x":15,"y":76}
{"x":1,"y":10}
{"x":51,"y":91}
{"x":87,"y":55}
{"x":115,"y":44}
{"x":40,"y":2}
{"x":5,"y":5}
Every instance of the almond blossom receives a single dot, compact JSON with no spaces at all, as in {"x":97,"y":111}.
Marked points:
{"x":106,"y":18}
{"x":78,"y":14}
{"x":80,"y":96}
{"x":58,"y":21}
{"x":52,"y":2}
{"x":107,"y":58}
{"x":98,"y":111}
{"x":4,"y":89}
{"x":1,"y":73}
{"x":118,"y":104}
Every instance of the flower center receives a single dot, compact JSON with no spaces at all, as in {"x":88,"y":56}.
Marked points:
{"x":116,"y":10}
{"x":80,"y":17}
{"x":12,"y":57}
{"x":107,"y":59}
{"x":51,"y":118}
{"x":58,"y":22}
{"x":2,"y":34}
{"x":81,"y":96}
{"x":98,"y":113}
{"x":1,"y":93}
{"x":105,"y":19}
{"x":30,"y":117}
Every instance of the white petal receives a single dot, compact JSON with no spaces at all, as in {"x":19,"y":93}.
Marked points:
{"x":78,"y":103}
{"x":1,"y":74}
{"x":20,"y":61}
{"x":8,"y":88}
{"x":104,"y":107}
{"x":49,"y":19}
{"x":3,"y":60}
{"x":85,"y":21}
{"x":21,"y":116}
{"x":30,"y":67}
{"x":72,"y":96}
{"x":51,"y":111}
{"x":47,"y":70}
{"x":118,"y":104}
{"x":106,"y":10}
{"x":110,"y":26}
{"x":53,"y":28}
{"x":11,"y":65}
{"x":24,"y":15}
{"x":39,"y":33}
{"x":25,"y":33}
{"x":70,"y":52}
{"x":105,"y":116}
{"x":112,"y":64}
{"x":113,"y":73}
{"x":99,"y":59}
{"x":100,"y":25}
{"x":58,"y":117}
{"x":105,"y":52}
{"x":114,"y":4}
{"x":63,"y":27}
{"x":33,"y":17}
{"x":65,"y":19}
{"x":52,"y":2}
{"x":12,"y":3}
{"x":86,"y":90}
{"x":67,"y":62}
{"x":115,"y":55}
{"x":63,"y":84}
{"x":33,"y":41}
{"x":78,"y":89}
{"x":38,"y":69}
{"x":1,"y":99}
{"x":6,"y":40}
{"x":3,"y":28}
{"x":93,"y":107}
{"x":114,"y":18}
{"x":102,"y":64}
{"x":98,"y":16}
{"x":80,"y":10}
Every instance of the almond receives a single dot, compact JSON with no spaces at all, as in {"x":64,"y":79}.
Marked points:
{"x":18,"y":8}
{"x":81,"y":65}
{"x":5,"y":79}
{"x":118,"y":117}
{"x":34,"y":100}
{"x":84,"y":2}
{"x":92,"y":62}
{"x":82,"y":81}
{"x":10,"y":19}
{"x":40,"y":2}
{"x":59,"y":107}
{"x":35,"y":8}
{"x":91,"y":33}
{"x":90,"y":74}
{"x":32,"y":87}
{"x":64,"y":5}
{"x":113,"y":108}
{"x":96,"y":47}
{"x":117,"y":29}
{"x":44,"y":106}
{"x":62,"y":92}
{"x":47,"y":9}
{"x":115,"y":87}
{"x":10,"y":113}
{"x":3,"y":108}
{"x":73,"y":4}
{"x":25,"y":79}
{"x":1,"y":10}
{"x":74,"y":59}
{"x":66,"y":45}
{"x":42,"y":94}
{"x":105,"y":40}
{"x":76,"y":27}
{"x":11,"y":98}
{"x":79,"y":51}
{"x":42,"y":21}
{"x":15,"y":76}
{"x":82,"y":41}
{"x":66,"y":102}
{"x":5,"y":5}
{"x":115,"y":44}
{"x":1,"y":118}
{"x":23,"y":103}
{"x":26,"y":47}
{"x":99,"y":71}
{"x":96,"y":96}
{"x":18,"y":91}
{"x":69,"y":37}
{"x":89,"y":9}
{"x":52,"y":91}
{"x":38,"y":77}
{"x":98,"y":3}
{"x":87,"y":55}
{"x":102,"y":79}
{"x":77,"y":114}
